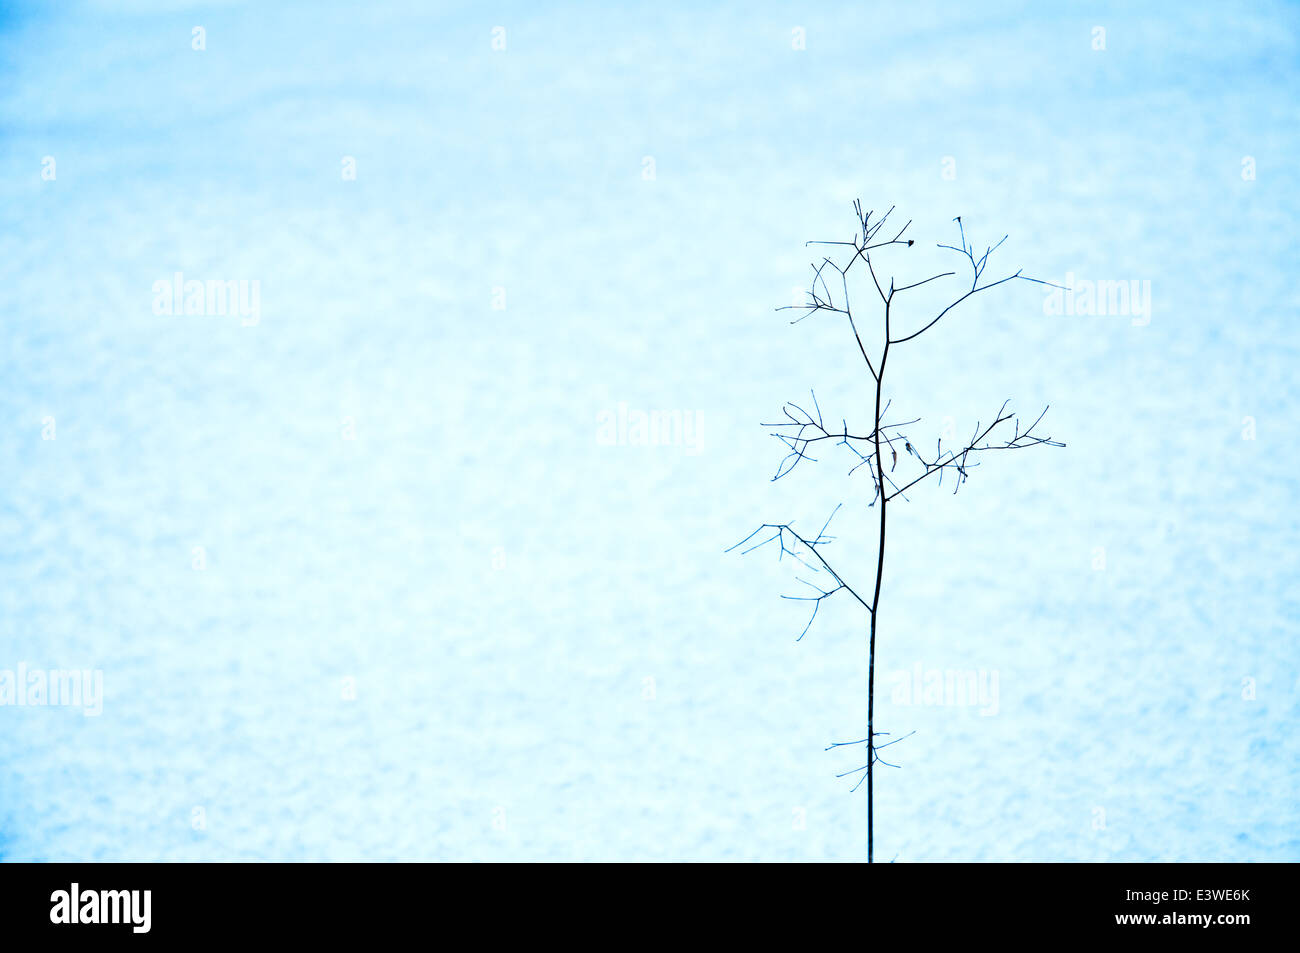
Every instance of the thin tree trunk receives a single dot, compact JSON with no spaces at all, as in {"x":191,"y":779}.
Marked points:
{"x":875,"y":604}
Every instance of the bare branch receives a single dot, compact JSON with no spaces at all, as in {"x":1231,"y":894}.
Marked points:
{"x":977,"y":270}
{"x":790,"y":543}
{"x":959,"y":460}
{"x":800,"y":430}
{"x":872,"y":757}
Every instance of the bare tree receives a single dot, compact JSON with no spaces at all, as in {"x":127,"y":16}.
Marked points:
{"x":803,"y":430}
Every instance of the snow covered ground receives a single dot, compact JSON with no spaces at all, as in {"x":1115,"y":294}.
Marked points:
{"x":443,"y":614}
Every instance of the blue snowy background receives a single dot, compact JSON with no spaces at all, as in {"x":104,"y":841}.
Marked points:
{"x":438,"y":616}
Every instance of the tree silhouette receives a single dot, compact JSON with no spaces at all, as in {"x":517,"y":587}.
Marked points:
{"x":802,"y":430}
